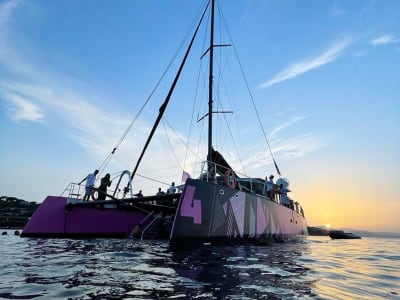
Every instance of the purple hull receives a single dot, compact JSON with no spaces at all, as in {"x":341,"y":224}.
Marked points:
{"x":209,"y":211}
{"x":54,"y":218}
{"x":204,"y":211}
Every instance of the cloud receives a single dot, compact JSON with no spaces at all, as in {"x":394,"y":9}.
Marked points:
{"x":285,"y":125}
{"x":21,"y":109}
{"x":86,"y":118}
{"x":300,"y":145}
{"x":289,"y":147}
{"x":384,"y":39}
{"x":296,"y":146}
{"x":97,"y":129}
{"x":304,"y":66}
{"x":31,"y":91}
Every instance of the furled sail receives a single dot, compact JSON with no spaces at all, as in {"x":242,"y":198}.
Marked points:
{"x":221,"y":164}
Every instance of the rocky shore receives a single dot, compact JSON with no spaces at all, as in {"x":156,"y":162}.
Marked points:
{"x":14,"y":212}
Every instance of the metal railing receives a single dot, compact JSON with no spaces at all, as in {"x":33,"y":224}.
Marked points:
{"x":77,"y":191}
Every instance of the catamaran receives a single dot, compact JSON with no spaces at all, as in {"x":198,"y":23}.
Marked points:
{"x":221,"y":204}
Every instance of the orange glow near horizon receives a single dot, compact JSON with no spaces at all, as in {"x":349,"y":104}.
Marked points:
{"x":353,"y":205}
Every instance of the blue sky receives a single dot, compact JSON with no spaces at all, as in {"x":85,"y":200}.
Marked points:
{"x":325,"y":77}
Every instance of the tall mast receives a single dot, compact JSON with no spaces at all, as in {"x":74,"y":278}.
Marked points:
{"x":211,"y":171}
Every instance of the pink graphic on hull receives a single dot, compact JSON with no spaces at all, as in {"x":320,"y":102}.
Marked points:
{"x":238,"y":207}
{"x":261,"y":219}
{"x":191,"y":207}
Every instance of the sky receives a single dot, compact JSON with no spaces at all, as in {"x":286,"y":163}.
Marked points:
{"x":324,"y":77}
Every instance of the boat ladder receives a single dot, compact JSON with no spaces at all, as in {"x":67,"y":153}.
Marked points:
{"x":152,"y":230}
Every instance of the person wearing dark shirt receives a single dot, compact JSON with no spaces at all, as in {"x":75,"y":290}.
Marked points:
{"x":139,"y":195}
{"x":104,"y":183}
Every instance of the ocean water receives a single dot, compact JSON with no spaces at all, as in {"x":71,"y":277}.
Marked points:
{"x":312,"y":268}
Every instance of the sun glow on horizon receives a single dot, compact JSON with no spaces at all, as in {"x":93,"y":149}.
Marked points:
{"x":328,"y":226}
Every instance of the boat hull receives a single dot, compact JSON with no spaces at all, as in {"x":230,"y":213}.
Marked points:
{"x":341,"y":235}
{"x":207,"y":211}
{"x":56,"y":218}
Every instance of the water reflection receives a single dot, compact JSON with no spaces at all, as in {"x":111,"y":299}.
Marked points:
{"x":131,"y":269}
{"x":232,"y":272}
{"x":77,"y":269}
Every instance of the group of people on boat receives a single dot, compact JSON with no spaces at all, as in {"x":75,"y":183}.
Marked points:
{"x":170,"y":190}
{"x":101,"y":190}
{"x":90,"y":190}
{"x":271,"y":190}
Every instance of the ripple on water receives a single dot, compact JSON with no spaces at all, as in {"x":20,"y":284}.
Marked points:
{"x":316,"y":268}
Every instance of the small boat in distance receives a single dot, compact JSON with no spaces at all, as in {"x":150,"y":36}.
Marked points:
{"x":220,"y":204}
{"x":340,"y":234}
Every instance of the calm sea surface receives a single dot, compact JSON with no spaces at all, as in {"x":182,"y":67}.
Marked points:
{"x":313,"y":268}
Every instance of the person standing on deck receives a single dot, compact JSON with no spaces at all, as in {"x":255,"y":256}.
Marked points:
{"x":269,"y":188}
{"x":160,"y":192}
{"x":104,"y":183}
{"x":140,"y":194}
{"x":171,"y":189}
{"x":90,"y":179}
{"x":284,"y":198}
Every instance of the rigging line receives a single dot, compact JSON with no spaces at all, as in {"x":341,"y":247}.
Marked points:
{"x":177,"y":135}
{"x":165,"y":121}
{"x":228,"y":125}
{"x":158,"y":169}
{"x":222,"y":68}
{"x":233,"y":141}
{"x":191,"y":119}
{"x":108,"y":158}
{"x":170,"y":145}
{"x":195,"y":101}
{"x":166,"y":101}
{"x":152,"y":179}
{"x":199,"y":143}
{"x":251,"y":97}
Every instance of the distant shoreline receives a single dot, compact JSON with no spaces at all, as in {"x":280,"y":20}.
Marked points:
{"x":321,"y":231}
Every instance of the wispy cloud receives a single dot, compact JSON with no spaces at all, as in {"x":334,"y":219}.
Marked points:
{"x":84,"y":119}
{"x":300,"y":145}
{"x":274,"y":133}
{"x":296,"y":146}
{"x":94,"y":127}
{"x":32,"y":92}
{"x":292,"y":146}
{"x":20,"y":109}
{"x":304,"y":66}
{"x":384,"y":39}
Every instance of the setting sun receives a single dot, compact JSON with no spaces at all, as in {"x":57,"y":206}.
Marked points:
{"x":328,"y":226}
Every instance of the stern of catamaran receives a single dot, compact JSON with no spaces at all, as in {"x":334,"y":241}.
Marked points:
{"x":209,"y":211}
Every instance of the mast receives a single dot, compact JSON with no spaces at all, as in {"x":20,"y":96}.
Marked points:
{"x":210,"y":168}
